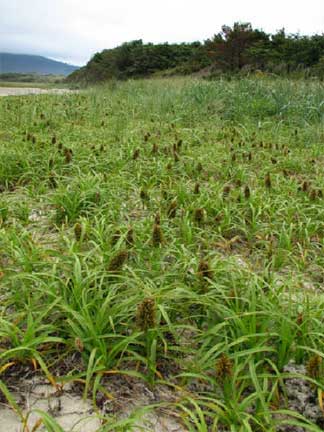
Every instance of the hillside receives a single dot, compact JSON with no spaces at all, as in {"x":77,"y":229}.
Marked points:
{"x":22,"y":63}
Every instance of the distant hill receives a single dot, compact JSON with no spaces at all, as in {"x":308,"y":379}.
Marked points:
{"x":22,"y":63}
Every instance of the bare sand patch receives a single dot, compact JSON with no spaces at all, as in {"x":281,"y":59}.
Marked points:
{"x":21,"y":91}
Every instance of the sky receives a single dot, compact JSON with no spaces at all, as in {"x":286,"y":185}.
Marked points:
{"x":73,"y":30}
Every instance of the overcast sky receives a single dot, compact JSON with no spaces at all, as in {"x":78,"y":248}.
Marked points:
{"x":73,"y":30}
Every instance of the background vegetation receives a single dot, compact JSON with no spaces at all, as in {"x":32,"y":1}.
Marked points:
{"x":237,"y":49}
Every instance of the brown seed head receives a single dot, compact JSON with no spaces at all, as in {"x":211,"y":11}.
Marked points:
{"x":305,"y":186}
{"x":146,"y":314}
{"x":172,"y":209}
{"x":157,"y":235}
{"x":176,"y":157}
{"x":267,"y":181}
{"x":197,"y":188}
{"x":68,"y":155}
{"x":144,"y":195}
{"x":147,"y":136}
{"x":247,"y":192}
{"x":130,"y":238}
{"x":155,"y":148}
{"x":115,"y":237}
{"x":314,"y":367}
{"x":226,"y":191}
{"x":224,"y":367}
{"x":199,"y":214}
{"x":313,"y":194}
{"x":78,"y":231}
{"x":118,"y":261}
{"x":300,"y":319}
{"x":199,"y":167}
{"x":204,"y":270}
{"x":79,"y":344}
{"x":136,"y":154}
{"x":157,"y":218}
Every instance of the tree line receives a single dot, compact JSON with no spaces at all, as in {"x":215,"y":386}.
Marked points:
{"x":235,"y":49}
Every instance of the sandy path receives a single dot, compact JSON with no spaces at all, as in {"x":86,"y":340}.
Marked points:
{"x":20,"y":91}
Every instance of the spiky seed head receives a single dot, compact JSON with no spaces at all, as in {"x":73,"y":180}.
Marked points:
{"x":300,"y":319}
{"x":249,"y":156}
{"x":53,"y":139}
{"x":78,"y":231}
{"x":60,"y":146}
{"x":267,"y":181}
{"x":314,"y":367}
{"x":115,"y":237}
{"x":130,"y":238}
{"x":147,"y":136}
{"x":199,"y":214}
{"x":157,"y":235}
{"x":233,"y":157}
{"x":319,"y":193}
{"x":179,"y":144}
{"x":155,"y":148}
{"x":146,"y":314}
{"x":78,"y":344}
{"x":197,"y":188}
{"x":199,"y":167}
{"x":226,"y":191}
{"x":52,"y":180}
{"x":68,"y":155}
{"x":313,"y":194}
{"x":247,"y":192}
{"x":172,"y":209}
{"x":157,"y":218}
{"x":218,"y":218}
{"x":305,"y":186}
{"x":136,"y":154}
{"x":144,"y":195}
{"x":224,"y":367}
{"x":204,"y":270}
{"x":118,"y":261}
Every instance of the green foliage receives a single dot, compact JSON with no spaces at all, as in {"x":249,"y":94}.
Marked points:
{"x":165,"y":269}
{"x":235,"y":49}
